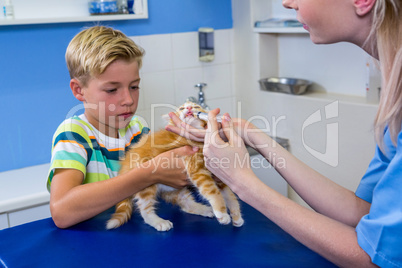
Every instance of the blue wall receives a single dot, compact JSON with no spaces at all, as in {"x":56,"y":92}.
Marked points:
{"x":34,"y":83}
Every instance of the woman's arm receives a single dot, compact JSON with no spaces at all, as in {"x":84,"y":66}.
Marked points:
{"x":72,"y":202}
{"x":319,"y":192}
{"x":333,"y":239}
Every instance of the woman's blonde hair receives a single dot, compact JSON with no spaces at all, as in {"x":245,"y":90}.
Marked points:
{"x":92,"y":50}
{"x":387,"y":30}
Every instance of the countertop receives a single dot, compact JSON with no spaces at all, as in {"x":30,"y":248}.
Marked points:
{"x":22,"y":188}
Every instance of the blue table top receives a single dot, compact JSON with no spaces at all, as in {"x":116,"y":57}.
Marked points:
{"x":194,"y":241}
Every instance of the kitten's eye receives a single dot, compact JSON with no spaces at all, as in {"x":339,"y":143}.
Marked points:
{"x":197,"y":107}
{"x":181,"y":109}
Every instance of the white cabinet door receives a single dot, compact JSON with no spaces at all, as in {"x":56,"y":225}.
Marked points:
{"x":267,"y":174}
{"x":28,"y":215}
{"x":3,"y":221}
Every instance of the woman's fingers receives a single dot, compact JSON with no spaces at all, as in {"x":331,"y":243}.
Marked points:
{"x":228,"y":130}
{"x":185,"y":130}
{"x":212,"y":132}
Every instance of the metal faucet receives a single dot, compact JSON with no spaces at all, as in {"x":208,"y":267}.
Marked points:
{"x":201,"y":99}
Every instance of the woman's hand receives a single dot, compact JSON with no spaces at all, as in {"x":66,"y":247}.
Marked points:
{"x":229,"y":159}
{"x":181,"y":128}
{"x":168,"y":168}
{"x":185,"y":130}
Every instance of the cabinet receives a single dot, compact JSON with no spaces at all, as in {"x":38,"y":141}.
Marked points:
{"x":23,"y":196}
{"x":25,"y":215}
{"x":29,"y":214}
{"x":265,"y":172}
{"x":3,"y":221}
{"x":268,"y":175}
{"x":50,"y":11}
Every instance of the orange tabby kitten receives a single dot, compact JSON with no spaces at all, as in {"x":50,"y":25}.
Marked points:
{"x":215,"y":192}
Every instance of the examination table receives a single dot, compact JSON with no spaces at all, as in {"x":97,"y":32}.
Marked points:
{"x":194,"y":241}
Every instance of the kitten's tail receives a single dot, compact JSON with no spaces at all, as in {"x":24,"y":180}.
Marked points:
{"x":122,"y":214}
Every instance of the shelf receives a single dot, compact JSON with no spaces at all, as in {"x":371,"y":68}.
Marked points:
{"x":328,"y":97}
{"x":296,"y":30}
{"x":33,"y":12}
{"x":73,"y":19}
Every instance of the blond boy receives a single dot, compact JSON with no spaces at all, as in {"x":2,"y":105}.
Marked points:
{"x":104,"y":69}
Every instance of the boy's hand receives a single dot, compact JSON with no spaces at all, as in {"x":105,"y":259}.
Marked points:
{"x":168,"y":168}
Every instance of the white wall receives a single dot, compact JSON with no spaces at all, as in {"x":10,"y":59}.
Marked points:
{"x":352,"y":131}
{"x":171,"y":69}
{"x":338,"y":70}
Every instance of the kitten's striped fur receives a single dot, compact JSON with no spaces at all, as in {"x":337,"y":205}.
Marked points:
{"x":218,"y":195}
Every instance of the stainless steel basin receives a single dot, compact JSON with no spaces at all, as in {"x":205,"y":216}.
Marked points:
{"x":286,"y":85}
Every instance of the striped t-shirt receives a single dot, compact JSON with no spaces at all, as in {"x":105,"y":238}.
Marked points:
{"x":79,"y":145}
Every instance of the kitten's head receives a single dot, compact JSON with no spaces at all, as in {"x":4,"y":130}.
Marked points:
{"x":188,"y":114}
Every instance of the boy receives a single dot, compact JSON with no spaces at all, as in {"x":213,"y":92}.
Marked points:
{"x":104,"y":68}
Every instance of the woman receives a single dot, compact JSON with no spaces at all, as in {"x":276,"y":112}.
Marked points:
{"x":349,"y":229}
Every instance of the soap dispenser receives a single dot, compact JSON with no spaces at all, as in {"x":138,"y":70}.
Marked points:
{"x":206,"y":44}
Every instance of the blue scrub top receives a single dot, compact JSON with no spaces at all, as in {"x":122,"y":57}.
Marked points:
{"x":379,"y":233}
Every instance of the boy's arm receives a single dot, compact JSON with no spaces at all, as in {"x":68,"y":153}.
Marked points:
{"x":72,"y":202}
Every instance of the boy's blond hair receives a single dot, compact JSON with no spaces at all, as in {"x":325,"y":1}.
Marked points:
{"x":92,"y":50}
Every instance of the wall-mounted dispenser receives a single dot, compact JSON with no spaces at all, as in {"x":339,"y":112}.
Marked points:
{"x":206,"y":44}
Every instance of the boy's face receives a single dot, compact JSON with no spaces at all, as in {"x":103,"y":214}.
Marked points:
{"x":111,"y":98}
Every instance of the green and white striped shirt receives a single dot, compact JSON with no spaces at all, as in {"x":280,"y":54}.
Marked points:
{"x":79,"y":145}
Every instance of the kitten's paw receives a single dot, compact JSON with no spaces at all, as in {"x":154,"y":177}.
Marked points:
{"x":209,"y":214}
{"x":206,"y":211}
{"x":163,"y":225}
{"x":199,"y":209}
{"x":238,"y":223}
{"x":223,"y":218}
